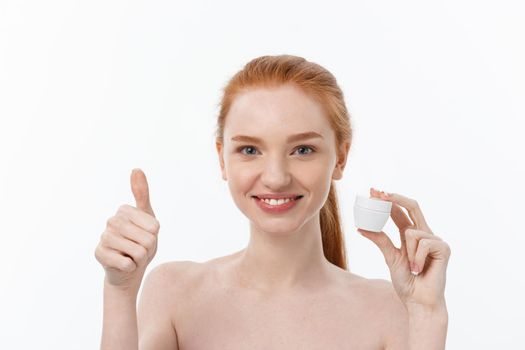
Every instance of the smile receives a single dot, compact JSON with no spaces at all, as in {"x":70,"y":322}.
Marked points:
{"x":276,"y":206}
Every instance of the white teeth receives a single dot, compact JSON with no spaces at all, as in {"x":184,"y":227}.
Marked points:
{"x":276,"y":201}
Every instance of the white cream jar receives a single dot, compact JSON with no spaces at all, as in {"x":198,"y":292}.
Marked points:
{"x":371,"y":214}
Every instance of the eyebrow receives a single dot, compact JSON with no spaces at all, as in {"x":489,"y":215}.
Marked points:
{"x":292,"y":138}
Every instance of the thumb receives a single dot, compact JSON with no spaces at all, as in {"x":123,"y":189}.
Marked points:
{"x":384,"y":243}
{"x":139,"y":187}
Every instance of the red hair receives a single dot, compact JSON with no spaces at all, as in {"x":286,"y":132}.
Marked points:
{"x":319,"y":83}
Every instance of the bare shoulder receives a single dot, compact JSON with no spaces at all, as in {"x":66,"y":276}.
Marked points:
{"x":176,"y":276}
{"x":155,"y":321}
{"x":381,"y":298}
{"x":179,"y":268}
{"x":381,"y":290}
{"x":166,"y":284}
{"x":161,"y":301}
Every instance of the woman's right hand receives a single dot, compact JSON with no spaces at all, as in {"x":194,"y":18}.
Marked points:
{"x":129,"y":242}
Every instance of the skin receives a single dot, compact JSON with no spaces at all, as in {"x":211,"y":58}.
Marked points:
{"x":280,"y":292}
{"x":285,"y":250}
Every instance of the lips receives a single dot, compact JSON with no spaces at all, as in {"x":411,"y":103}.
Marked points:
{"x":284,"y":196}
{"x":277,"y":208}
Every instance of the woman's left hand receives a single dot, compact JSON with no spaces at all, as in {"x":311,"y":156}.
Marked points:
{"x":418,"y":268}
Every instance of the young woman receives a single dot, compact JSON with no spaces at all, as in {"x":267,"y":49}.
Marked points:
{"x":283,"y":136}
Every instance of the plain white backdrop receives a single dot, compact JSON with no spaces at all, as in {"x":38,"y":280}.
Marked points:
{"x":91,"y":89}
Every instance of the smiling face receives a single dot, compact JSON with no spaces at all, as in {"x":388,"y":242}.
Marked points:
{"x":273,"y":161}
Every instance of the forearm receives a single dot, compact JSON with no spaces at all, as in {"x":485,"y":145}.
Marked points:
{"x":427,"y":329}
{"x":119,"y":329}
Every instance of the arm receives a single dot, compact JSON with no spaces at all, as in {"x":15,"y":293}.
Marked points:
{"x":414,"y":328}
{"x":155,"y":310}
{"x":152,"y":328}
{"x":126,"y":247}
{"x":417,"y":270}
{"x":119,"y":330}
{"x":427,"y":329}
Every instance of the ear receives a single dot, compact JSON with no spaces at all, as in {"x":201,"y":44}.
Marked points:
{"x":341,"y":160}
{"x":220,"y":148}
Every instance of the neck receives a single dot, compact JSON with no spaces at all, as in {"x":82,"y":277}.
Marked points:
{"x":284,"y":260}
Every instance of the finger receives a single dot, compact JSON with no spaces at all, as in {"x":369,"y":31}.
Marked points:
{"x":397,"y":214}
{"x":129,"y":230}
{"x":413,"y":209}
{"x":399,"y":217}
{"x":413,"y":237}
{"x":390,"y":252}
{"x":140,"y":189}
{"x":435,"y":248}
{"x":113,"y":259}
{"x":129,"y":248}
{"x":138,"y":217}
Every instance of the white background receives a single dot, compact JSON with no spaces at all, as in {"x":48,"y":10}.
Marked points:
{"x":91,"y":89}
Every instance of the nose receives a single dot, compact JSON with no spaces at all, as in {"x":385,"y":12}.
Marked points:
{"x":275,"y":174}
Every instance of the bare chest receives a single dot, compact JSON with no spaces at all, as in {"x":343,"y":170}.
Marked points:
{"x":231,"y":319}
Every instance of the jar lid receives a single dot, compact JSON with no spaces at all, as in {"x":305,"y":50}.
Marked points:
{"x":373,"y":204}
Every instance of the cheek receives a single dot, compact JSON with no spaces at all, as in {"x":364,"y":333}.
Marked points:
{"x":240,"y":178}
{"x":317,"y":169}
{"x":318,"y":180}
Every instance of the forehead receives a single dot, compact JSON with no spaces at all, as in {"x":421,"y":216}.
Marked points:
{"x":282,"y":110}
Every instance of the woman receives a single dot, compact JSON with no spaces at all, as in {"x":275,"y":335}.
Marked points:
{"x":283,"y":136}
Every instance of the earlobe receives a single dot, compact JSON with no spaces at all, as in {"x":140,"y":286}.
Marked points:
{"x":337,"y":174}
{"x":338,"y":171}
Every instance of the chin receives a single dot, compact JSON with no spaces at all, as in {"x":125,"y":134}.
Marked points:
{"x":276,"y":226}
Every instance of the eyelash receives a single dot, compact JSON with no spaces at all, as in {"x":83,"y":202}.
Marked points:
{"x":301,"y":146}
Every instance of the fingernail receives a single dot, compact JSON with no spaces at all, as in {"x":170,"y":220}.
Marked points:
{"x":413,"y":269}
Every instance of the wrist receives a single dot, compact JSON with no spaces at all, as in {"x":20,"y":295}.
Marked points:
{"x":438,"y":308}
{"x":437,"y":313}
{"x":122,"y":292}
{"x":427,"y":326}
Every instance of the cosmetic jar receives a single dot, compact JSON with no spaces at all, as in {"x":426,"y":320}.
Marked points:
{"x":371,"y":214}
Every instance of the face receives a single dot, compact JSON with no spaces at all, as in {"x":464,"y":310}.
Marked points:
{"x":276,"y":163}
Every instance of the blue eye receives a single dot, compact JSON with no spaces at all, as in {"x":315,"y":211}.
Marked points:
{"x":307,"y":147}
{"x":242,"y":148}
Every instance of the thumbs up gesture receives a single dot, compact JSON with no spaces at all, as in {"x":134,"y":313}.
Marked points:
{"x":129,"y":241}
